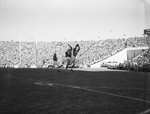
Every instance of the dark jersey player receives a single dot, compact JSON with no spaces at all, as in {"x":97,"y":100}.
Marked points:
{"x":68,"y":55}
{"x":67,"y":59}
{"x":74,"y":53}
{"x":55,"y":64}
{"x":55,"y":57}
{"x":76,"y":50}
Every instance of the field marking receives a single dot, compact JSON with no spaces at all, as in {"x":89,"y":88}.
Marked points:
{"x":101,"y":92}
{"x":38,"y":83}
{"x":122,"y":88}
{"x":83,"y":88}
{"x":145,"y":112}
{"x":41,"y":83}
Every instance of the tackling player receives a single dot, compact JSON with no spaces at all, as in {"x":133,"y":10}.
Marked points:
{"x":68,"y":55}
{"x":67,"y":58}
{"x":76,"y":50}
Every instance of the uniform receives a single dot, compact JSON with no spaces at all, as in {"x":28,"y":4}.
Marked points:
{"x":67,"y":60}
{"x":74,"y":54}
{"x":55,"y":63}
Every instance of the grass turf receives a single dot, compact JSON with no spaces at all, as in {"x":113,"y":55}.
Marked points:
{"x":20,"y":94}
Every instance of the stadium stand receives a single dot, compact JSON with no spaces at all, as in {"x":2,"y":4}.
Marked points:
{"x":27,"y":54}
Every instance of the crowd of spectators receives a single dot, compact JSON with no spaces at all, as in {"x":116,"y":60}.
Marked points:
{"x":139,"y":63}
{"x":137,"y":42}
{"x":102,"y":50}
{"x":9,"y":53}
{"x":26,"y":54}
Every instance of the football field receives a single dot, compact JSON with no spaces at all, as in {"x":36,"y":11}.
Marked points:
{"x":100,"y":91}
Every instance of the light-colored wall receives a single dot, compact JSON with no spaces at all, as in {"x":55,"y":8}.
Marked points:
{"x":119,"y":57}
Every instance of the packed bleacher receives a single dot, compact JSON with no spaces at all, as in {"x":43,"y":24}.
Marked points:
{"x":137,"y":42}
{"x":26,"y":54}
{"x":139,"y":63}
{"x":8,"y":53}
{"x":102,"y":50}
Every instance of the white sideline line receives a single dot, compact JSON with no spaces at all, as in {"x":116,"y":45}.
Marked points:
{"x":41,"y":83}
{"x":86,"y":89}
{"x":38,"y":83}
{"x":121,"y":88}
{"x":101,"y":92}
{"x":145,"y":112}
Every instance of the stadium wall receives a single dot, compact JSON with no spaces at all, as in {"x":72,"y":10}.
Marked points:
{"x":124,"y":55}
{"x":133,"y":52}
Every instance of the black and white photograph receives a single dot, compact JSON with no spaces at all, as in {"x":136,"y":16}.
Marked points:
{"x":74,"y":56}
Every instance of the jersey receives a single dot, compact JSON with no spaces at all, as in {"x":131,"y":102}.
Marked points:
{"x":68,"y":53}
{"x":76,"y":50}
{"x":55,"y":57}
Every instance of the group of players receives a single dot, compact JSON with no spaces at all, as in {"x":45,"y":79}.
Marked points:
{"x":70,"y":57}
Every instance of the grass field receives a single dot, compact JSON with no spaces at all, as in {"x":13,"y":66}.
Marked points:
{"x":47,"y":91}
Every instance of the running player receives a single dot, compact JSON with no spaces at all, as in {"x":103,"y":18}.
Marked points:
{"x":76,"y":50}
{"x":55,"y":63}
{"x":67,"y":58}
{"x":68,"y":55}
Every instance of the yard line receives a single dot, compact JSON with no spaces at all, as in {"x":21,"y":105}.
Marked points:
{"x":145,"y":112}
{"x":121,"y":88}
{"x":83,"y":88}
{"x":41,"y":83}
{"x":101,"y":92}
